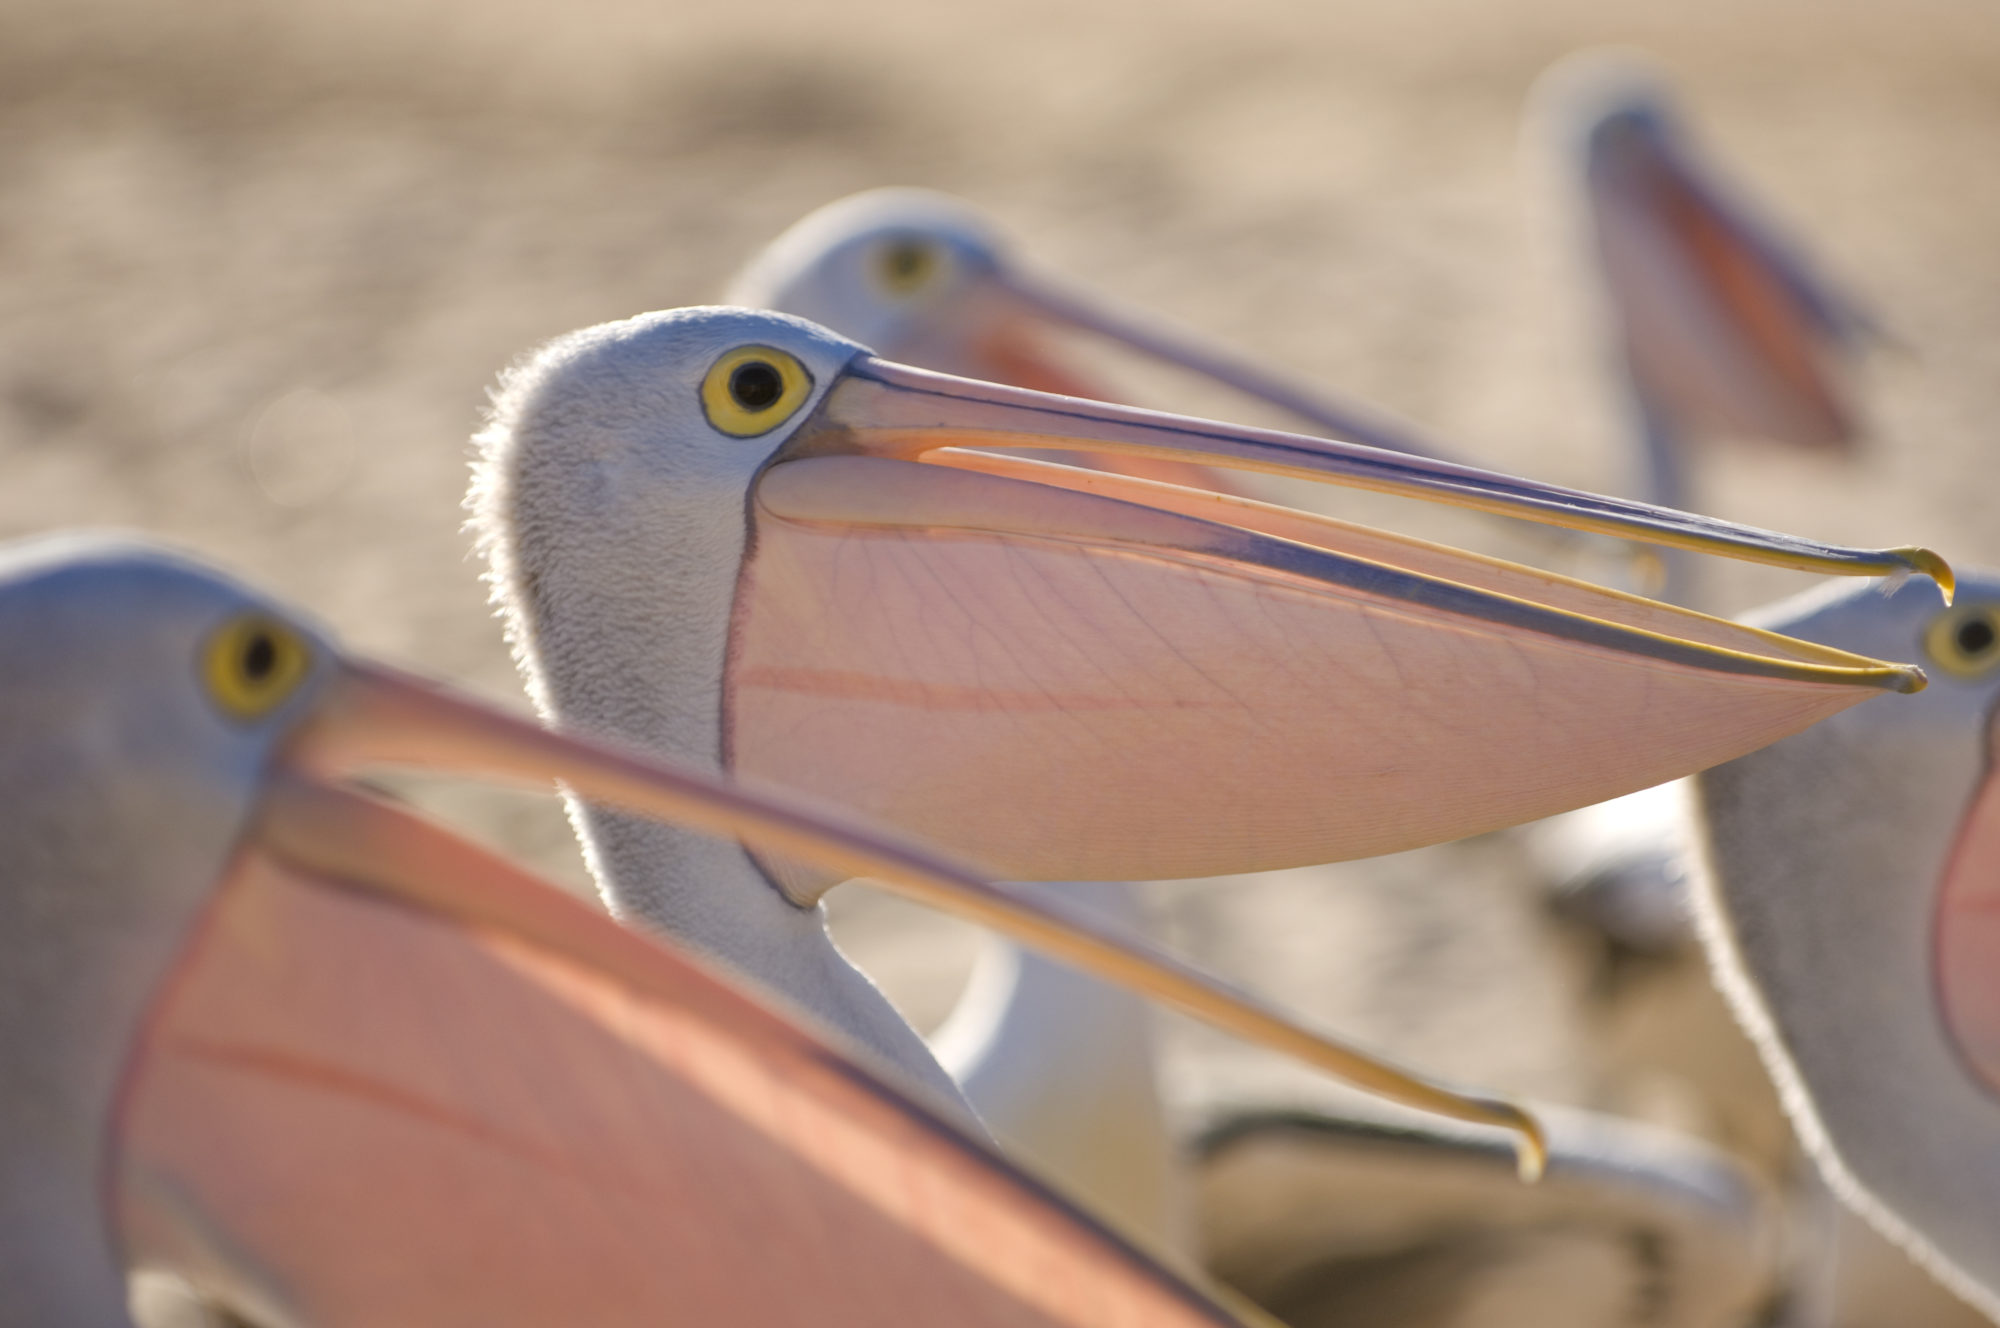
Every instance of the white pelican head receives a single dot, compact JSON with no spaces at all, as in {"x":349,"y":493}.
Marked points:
{"x":919,"y":275}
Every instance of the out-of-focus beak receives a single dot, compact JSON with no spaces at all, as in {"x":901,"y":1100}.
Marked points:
{"x":1967,"y":936}
{"x":1726,"y":329}
{"x":395,"y":1080}
{"x":1035,"y":298}
{"x":1066,"y":674}
{"x":1004,"y":335}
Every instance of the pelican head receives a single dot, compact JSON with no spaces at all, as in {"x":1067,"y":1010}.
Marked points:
{"x":737,"y":538}
{"x":331,"y":1065}
{"x":1610,"y":107}
{"x":1848,"y":905}
{"x":919,"y":275}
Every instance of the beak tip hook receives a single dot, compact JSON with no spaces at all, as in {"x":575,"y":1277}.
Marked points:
{"x":1531,"y":1140}
{"x":1929,"y":564}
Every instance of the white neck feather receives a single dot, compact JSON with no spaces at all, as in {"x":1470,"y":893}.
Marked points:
{"x":1825,"y":853}
{"x":617,"y":602}
{"x":1062,"y":1067}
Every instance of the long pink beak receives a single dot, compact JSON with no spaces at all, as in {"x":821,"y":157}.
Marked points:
{"x":395,"y":1080}
{"x":352,"y":1111}
{"x":1068,"y":674}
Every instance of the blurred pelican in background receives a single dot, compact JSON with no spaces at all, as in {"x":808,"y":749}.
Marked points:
{"x":1716,"y":324}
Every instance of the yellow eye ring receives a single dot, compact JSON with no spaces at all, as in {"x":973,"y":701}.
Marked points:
{"x":753,"y":390}
{"x":905,"y":266}
{"x":1966,"y":640}
{"x":252,"y":664}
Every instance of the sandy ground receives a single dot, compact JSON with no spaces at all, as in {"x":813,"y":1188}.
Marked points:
{"x":259,"y":265}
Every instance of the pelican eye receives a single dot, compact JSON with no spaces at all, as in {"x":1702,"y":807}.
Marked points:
{"x":756,"y":386}
{"x":252,"y":664}
{"x":1966,"y":640}
{"x":753,"y":390}
{"x":906,"y":266}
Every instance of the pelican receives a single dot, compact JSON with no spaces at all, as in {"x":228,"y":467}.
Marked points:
{"x":1845,"y":902}
{"x":737,"y":539}
{"x":330,"y":1065}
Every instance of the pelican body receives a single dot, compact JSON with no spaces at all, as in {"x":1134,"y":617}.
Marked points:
{"x":1846,"y":904}
{"x":1061,"y":1067}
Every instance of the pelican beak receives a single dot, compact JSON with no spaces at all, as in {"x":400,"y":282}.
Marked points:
{"x":1024,"y":300}
{"x":1004,"y":335}
{"x":395,"y":1080}
{"x":1967,"y":936}
{"x":1069,"y":674}
{"x":1719,"y":317}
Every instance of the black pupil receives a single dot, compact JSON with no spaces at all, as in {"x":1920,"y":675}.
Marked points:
{"x":756,"y":385}
{"x":907,"y":261}
{"x":1976,"y":636}
{"x":260,"y":657}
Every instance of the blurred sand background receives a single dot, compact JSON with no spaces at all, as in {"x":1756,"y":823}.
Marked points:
{"x":259,"y":264}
